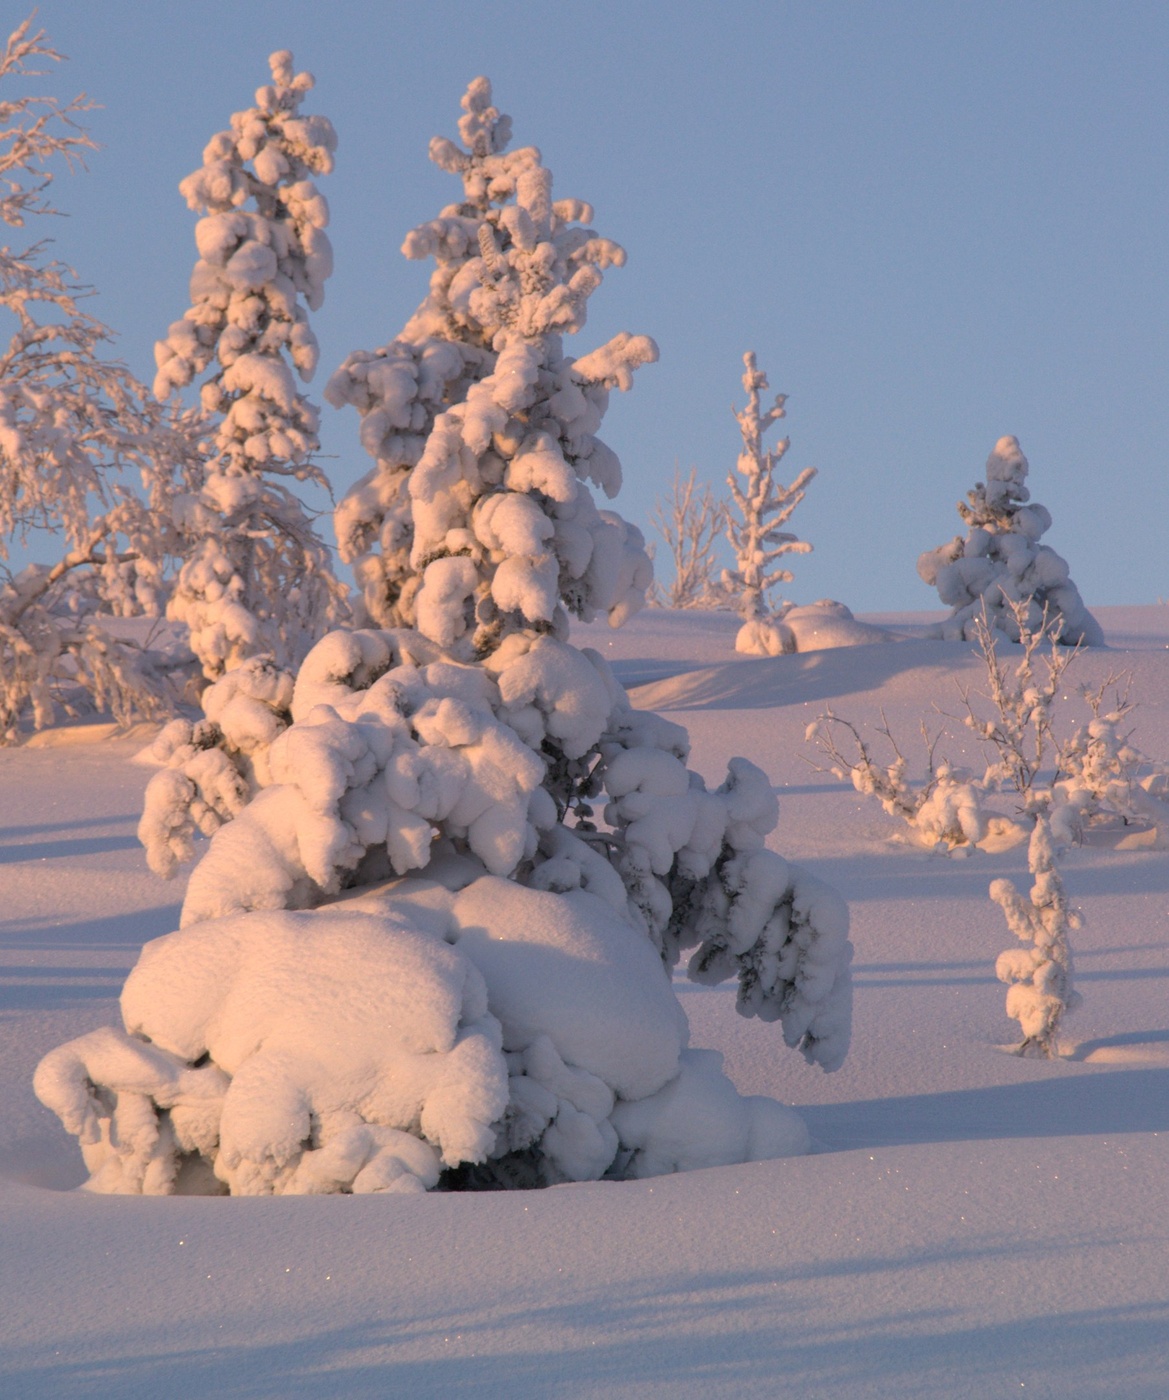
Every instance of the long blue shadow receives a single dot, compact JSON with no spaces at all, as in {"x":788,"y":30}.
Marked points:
{"x":1118,"y":1101}
{"x":644,"y":1336}
{"x":129,"y":930}
{"x":65,"y":849}
{"x":11,"y":833}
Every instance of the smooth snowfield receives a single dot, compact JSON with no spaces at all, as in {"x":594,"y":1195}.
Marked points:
{"x":973,"y":1225}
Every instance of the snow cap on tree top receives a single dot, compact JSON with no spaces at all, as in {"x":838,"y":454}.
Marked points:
{"x":485,"y":130}
{"x":1006,"y":471}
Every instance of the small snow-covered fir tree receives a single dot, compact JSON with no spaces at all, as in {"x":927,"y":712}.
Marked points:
{"x":1001,"y":562}
{"x":690,"y":522}
{"x":76,"y":429}
{"x":435,"y":927}
{"x":762,"y":507}
{"x":258,"y":579}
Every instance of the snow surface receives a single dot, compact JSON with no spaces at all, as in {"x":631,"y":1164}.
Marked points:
{"x":972,"y":1225}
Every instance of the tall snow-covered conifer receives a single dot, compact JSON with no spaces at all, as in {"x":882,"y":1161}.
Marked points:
{"x":258,"y":578}
{"x":76,"y":429}
{"x":477,"y":520}
{"x":502,"y":858}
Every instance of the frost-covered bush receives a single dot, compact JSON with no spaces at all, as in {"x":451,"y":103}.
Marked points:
{"x":1001,"y":563}
{"x":1093,"y":771}
{"x":460,"y":813}
{"x":1040,"y":976}
{"x":257,"y":578}
{"x":87,"y":463}
{"x":762,"y":506}
{"x":944,"y":813}
{"x":1101,"y":775}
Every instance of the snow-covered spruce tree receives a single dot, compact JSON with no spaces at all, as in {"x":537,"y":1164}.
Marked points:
{"x":690,"y":521}
{"x":1001,"y":562}
{"x":439,"y":935}
{"x":513,"y":272}
{"x":762,"y":507}
{"x":75,"y":431}
{"x":594,"y":559}
{"x":257,"y":578}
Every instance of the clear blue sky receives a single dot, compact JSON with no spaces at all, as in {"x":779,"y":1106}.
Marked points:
{"x":935,"y":223}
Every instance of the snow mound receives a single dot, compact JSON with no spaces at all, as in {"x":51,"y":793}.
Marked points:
{"x":564,"y":965}
{"x":818,"y":626}
{"x":764,"y":636}
{"x":369,"y":1044}
{"x":699,"y":1120}
{"x":320,"y":1031}
{"x":812,"y":627}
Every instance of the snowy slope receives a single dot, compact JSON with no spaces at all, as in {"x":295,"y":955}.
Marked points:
{"x":974,"y":1225}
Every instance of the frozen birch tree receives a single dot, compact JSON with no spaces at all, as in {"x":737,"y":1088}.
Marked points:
{"x":690,"y":522}
{"x":78,"y":434}
{"x":755,"y":527}
{"x":431,"y":938}
{"x":258,"y":579}
{"x":1001,"y":563}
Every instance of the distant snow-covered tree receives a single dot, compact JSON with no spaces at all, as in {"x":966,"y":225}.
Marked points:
{"x":690,"y":522}
{"x":1001,"y":562}
{"x":257,"y":579}
{"x":78,"y":435}
{"x":447,"y":899}
{"x":762,"y":507}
